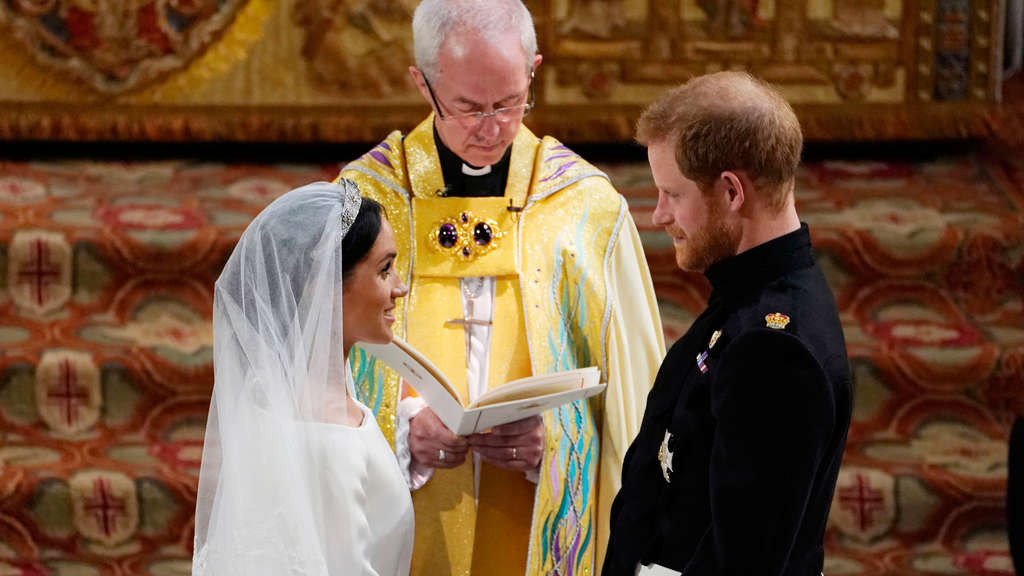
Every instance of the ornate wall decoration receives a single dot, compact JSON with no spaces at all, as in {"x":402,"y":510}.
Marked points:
{"x":358,"y":47}
{"x":116,"y":45}
{"x":598,"y":18}
{"x":336,"y":70}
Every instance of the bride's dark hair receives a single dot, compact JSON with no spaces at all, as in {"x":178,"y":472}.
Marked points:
{"x":361,"y":236}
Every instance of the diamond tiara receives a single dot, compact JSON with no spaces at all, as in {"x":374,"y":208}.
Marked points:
{"x":351,"y":200}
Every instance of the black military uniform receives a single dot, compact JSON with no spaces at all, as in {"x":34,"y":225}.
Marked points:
{"x":736,"y":460}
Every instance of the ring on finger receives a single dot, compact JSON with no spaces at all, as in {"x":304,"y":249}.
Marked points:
{"x":440,"y":454}
{"x":515,"y":453}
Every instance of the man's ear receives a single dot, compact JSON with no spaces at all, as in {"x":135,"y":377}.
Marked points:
{"x":421,"y":84}
{"x":730,"y":187}
{"x":536,"y":61}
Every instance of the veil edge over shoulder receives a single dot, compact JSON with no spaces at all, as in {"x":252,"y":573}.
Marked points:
{"x":278,"y":365}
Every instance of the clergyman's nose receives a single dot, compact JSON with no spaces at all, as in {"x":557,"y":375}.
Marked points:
{"x":489,"y":128}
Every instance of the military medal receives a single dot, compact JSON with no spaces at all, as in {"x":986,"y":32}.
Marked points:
{"x":714,"y":338}
{"x":665,"y":457}
{"x":776,"y":320}
{"x":702,"y":362}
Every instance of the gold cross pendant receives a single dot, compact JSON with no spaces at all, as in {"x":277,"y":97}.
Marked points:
{"x":469,"y":320}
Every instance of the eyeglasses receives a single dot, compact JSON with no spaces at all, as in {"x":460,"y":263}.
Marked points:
{"x":503,"y":115}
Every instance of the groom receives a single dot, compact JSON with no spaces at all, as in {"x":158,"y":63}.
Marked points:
{"x":736,"y":461}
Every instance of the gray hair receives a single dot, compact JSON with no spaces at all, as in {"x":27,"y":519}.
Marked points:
{"x":435,"y":19}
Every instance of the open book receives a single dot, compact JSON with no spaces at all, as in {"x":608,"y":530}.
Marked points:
{"x":513,"y":401}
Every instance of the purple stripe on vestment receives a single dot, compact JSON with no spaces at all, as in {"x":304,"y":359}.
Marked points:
{"x":573,"y":550}
{"x":562,"y":155}
{"x":380,"y":157}
{"x":561,"y":170}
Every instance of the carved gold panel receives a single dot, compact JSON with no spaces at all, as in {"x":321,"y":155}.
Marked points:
{"x":335,"y":70}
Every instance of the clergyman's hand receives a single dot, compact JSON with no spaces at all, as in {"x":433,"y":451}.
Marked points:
{"x":517,"y":445}
{"x":432,"y":444}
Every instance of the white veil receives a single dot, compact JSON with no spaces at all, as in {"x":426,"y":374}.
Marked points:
{"x":278,"y":364}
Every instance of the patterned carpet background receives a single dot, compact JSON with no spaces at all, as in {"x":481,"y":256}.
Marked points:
{"x":106,"y":271}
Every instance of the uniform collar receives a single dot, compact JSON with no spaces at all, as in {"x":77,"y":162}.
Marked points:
{"x":751,"y":270}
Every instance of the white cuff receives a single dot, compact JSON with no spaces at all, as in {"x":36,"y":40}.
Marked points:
{"x":655,"y":570}
{"x":416,"y":474}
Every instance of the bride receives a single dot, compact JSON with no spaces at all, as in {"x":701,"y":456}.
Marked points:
{"x":296,"y":477}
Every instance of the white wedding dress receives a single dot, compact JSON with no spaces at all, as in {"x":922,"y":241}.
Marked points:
{"x":283,"y":490}
{"x":364,"y":507}
{"x":369,"y":486}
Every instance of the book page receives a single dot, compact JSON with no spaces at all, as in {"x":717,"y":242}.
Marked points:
{"x":404,"y":358}
{"x":486,"y":417}
{"x":543,"y":385}
{"x":512,"y":401}
{"x":424,"y":377}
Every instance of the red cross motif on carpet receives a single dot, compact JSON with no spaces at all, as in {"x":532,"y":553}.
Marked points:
{"x":41,"y":271}
{"x":862,"y":501}
{"x":68,"y":395}
{"x":105,"y":506}
{"x":68,"y":390}
{"x":863,"y":504}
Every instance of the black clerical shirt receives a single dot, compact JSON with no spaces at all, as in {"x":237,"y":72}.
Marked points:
{"x":458,"y":183}
{"x":737,"y":456}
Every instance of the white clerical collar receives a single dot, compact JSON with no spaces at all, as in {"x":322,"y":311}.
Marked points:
{"x":470,"y":171}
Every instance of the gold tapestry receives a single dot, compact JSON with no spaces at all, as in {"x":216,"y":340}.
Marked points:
{"x":335,"y":70}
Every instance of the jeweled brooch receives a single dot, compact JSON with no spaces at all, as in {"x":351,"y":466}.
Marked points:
{"x":466,"y":236}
